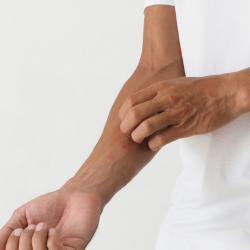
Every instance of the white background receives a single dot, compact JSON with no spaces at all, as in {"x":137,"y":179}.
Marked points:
{"x":62,"y":64}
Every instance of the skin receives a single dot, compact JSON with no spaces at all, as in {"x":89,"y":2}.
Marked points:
{"x":159,"y":79}
{"x":74,"y":210}
{"x":173,"y":109}
{"x":32,"y":237}
{"x":72,"y":217}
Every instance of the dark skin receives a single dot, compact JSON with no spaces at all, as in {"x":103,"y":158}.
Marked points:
{"x":74,"y":210}
{"x":173,"y":109}
{"x":157,"y":105}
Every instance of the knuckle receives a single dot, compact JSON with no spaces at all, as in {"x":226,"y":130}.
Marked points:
{"x":162,"y":84}
{"x":160,"y":139}
{"x":179,"y":112}
{"x":131,"y":101}
{"x":134,"y":113}
{"x":134,"y":138}
{"x":147,"y":127}
{"x":182,"y":112}
{"x":172,"y":99}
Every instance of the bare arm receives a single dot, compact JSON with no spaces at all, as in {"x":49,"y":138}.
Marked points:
{"x":116,"y":158}
{"x":193,"y":105}
{"x":73,"y":212}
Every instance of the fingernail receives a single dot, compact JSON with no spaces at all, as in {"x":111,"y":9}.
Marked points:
{"x":31,"y":227}
{"x":51,"y":231}
{"x":18,"y":231}
{"x":40,"y":226}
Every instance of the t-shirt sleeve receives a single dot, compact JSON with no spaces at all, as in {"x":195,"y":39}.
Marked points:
{"x":156,"y":2}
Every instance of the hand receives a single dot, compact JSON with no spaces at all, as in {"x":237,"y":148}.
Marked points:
{"x":178,"y":108}
{"x":34,"y":237}
{"x":73,"y":214}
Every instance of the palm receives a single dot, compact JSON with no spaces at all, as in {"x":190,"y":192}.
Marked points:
{"x":75,"y":216}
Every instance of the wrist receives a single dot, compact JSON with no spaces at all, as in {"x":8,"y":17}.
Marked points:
{"x":100,"y":179}
{"x":241,"y":80}
{"x":74,"y":187}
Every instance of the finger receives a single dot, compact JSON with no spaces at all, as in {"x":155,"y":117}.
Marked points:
{"x":13,"y":241}
{"x":138,"y":97}
{"x":39,"y":239}
{"x":166,"y":136}
{"x":25,"y":242}
{"x":53,"y":240}
{"x":18,"y":220}
{"x":152,"y":125}
{"x":139,"y":113}
{"x":5,"y":233}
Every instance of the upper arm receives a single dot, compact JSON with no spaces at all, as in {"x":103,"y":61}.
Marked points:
{"x":161,"y":46}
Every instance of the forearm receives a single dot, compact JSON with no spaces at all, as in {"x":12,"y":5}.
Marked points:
{"x":116,"y":158}
{"x":242,"y":80}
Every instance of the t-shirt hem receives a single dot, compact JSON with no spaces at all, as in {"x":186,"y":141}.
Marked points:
{"x":157,"y":2}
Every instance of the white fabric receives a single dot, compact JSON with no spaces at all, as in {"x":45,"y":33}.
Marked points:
{"x":211,"y":199}
{"x":154,"y":2}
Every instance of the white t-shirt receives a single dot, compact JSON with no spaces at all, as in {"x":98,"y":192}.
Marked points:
{"x":211,"y":199}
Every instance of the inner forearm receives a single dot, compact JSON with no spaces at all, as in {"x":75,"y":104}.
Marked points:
{"x":116,"y":158}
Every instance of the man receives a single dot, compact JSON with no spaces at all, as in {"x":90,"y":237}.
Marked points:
{"x":195,"y":89}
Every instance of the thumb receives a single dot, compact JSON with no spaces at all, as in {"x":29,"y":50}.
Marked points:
{"x":53,"y":242}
